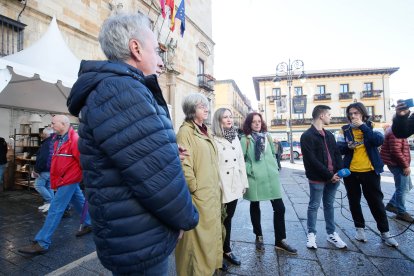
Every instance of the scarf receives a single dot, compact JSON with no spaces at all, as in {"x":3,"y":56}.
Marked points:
{"x":229,"y":134}
{"x":259,"y":144}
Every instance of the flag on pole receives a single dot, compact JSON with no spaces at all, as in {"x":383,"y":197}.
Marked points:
{"x":181,"y":15}
{"x":170,"y":3}
{"x":162,"y":3}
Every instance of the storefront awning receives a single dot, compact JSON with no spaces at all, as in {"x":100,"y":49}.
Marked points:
{"x":41,"y":76}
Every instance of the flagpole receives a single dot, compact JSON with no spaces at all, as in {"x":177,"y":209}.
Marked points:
{"x":160,"y":29}
{"x":167,"y":37}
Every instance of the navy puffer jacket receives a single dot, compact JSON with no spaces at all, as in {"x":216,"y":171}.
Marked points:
{"x":138,"y":197}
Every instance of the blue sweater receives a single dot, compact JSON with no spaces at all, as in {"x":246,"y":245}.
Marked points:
{"x":137,"y":193}
{"x":372,"y":140}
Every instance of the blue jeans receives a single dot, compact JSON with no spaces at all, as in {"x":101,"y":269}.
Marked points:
{"x":326,"y":192}
{"x":2,"y":169}
{"x":64,"y":195}
{"x":402,"y":186}
{"x":160,"y":269}
{"x":42,"y":186}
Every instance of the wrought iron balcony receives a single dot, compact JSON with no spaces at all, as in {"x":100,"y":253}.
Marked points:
{"x":339,"y":120}
{"x":305,"y":121}
{"x":376,"y":118}
{"x":322,"y":97}
{"x":371,"y":94}
{"x":275,"y":98}
{"x":346,"y":95}
{"x":278,"y":122}
{"x":206,"y":82}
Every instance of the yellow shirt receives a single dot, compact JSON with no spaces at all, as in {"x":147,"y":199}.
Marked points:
{"x":360,"y":160}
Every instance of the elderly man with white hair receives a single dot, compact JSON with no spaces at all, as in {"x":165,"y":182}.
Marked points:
{"x":65,"y":176}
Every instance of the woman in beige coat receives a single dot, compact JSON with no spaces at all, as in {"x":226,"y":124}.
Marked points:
{"x":200,"y":251}
{"x":232,"y":171}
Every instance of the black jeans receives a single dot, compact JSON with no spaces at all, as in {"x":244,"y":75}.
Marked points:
{"x":278,"y":161}
{"x":278,"y":218}
{"x":371,"y":187}
{"x":230,"y":209}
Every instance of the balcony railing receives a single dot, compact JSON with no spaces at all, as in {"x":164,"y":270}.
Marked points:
{"x":275,"y":98}
{"x":322,"y":97}
{"x":206,"y":82}
{"x":304,"y":121}
{"x":278,"y":122}
{"x":371,"y":94}
{"x":339,"y":120}
{"x":346,"y":95}
{"x":376,"y":118}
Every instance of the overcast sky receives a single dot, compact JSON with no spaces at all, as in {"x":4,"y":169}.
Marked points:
{"x":253,"y":36}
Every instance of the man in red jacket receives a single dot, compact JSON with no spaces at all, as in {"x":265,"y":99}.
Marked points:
{"x":65,"y":175}
{"x":395,"y":153}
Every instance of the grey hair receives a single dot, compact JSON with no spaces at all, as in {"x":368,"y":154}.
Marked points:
{"x":118,"y":30}
{"x":216,"y":127}
{"x":190,"y":103}
{"x":48,"y":131}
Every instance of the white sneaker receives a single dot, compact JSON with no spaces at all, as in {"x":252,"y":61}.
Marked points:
{"x":311,"y":241}
{"x":360,"y":235}
{"x":43,"y":206}
{"x":390,"y":241}
{"x":336,"y":240}
{"x":46,"y":208}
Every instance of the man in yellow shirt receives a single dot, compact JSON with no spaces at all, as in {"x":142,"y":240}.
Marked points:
{"x":359,"y":145}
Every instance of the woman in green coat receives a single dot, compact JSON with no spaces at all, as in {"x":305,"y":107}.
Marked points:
{"x":200,"y":251}
{"x":263,"y":176}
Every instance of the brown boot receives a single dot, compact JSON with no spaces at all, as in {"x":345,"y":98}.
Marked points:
{"x":405,"y":217}
{"x":33,"y":249}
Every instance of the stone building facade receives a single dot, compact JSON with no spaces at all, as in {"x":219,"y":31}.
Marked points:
{"x":335,"y":88}
{"x":228,"y":95}
{"x":189,"y":59}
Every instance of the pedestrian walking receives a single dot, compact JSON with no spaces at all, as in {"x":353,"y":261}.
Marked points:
{"x":279,"y":152}
{"x":359,"y":144}
{"x":137,"y":194}
{"x":3,"y":160}
{"x":263,"y":178}
{"x":233,"y":178}
{"x":322,"y":160}
{"x":65,"y":175}
{"x":403,"y":123}
{"x":395,"y":152}
{"x":42,"y":169}
{"x":200,"y":251}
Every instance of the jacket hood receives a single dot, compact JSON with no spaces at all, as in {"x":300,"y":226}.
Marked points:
{"x":91,"y":73}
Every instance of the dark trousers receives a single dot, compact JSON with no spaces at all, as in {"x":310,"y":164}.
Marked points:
{"x":278,"y":161}
{"x":230,"y":209}
{"x":278,"y":218}
{"x":371,"y":187}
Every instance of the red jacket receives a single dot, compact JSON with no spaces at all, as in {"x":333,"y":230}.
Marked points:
{"x":66,"y":168}
{"x":395,"y":151}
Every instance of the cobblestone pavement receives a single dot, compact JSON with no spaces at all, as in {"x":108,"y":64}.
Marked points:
{"x":20,"y":220}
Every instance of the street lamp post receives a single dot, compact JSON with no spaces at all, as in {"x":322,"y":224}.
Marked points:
{"x":288,"y":70}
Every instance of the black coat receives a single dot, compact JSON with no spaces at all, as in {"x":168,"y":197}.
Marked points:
{"x":403,"y":126}
{"x":3,"y":151}
{"x":137,"y":193}
{"x":315,"y":157}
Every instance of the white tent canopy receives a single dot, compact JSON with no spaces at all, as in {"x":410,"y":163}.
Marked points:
{"x":39,"y":77}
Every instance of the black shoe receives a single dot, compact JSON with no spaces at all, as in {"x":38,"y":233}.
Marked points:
{"x":282,"y":245}
{"x":231,"y":258}
{"x":33,"y":249}
{"x":67,"y":214}
{"x":85,"y":230}
{"x":224,"y":267}
{"x":259,"y":243}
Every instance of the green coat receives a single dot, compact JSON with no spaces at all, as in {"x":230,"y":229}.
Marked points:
{"x":263,"y":175}
{"x":200,"y":251}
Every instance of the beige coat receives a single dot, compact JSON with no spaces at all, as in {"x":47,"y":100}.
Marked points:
{"x":232,"y":169}
{"x":200,"y":251}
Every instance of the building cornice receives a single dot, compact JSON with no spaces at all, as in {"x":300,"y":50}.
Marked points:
{"x":327,"y":74}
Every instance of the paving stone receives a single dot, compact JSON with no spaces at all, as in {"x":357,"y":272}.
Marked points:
{"x":335,"y":262}
{"x":296,"y":266}
{"x":392,"y":267}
